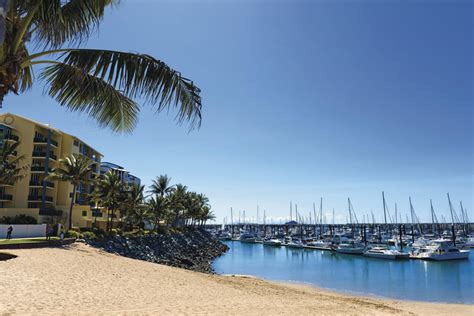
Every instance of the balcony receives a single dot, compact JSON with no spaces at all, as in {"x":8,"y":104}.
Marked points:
{"x":50,"y":212}
{"x":37,"y":183}
{"x":5,"y":197}
{"x":11,"y":137}
{"x":44,"y":141}
{"x":39,"y":169}
{"x":36,"y":198}
{"x":41,"y":154}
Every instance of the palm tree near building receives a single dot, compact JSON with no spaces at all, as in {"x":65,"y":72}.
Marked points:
{"x":110,"y":193}
{"x":100,"y":83}
{"x":75,"y":169}
{"x":178,"y":201}
{"x":158,"y":206}
{"x":11,"y":167}
{"x":134,"y":200}
{"x":161,"y":186}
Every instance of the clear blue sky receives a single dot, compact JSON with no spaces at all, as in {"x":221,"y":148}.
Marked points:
{"x":302,"y":99}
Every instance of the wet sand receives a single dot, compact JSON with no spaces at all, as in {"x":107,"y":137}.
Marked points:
{"x":80,"y":279}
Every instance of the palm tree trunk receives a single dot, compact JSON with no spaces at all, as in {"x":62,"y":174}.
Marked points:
{"x":72,"y":205}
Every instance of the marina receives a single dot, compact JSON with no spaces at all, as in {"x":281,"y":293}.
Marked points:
{"x":418,"y":280}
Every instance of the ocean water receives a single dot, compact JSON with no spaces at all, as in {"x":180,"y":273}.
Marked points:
{"x":418,"y":280}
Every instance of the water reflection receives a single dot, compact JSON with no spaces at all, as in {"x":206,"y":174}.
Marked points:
{"x":407,"y":279}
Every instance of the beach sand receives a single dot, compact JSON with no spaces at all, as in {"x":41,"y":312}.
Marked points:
{"x":82,"y":280}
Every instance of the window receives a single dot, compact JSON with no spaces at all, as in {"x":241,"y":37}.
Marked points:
{"x":76,"y":143}
{"x":84,"y":213}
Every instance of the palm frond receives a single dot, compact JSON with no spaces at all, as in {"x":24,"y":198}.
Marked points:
{"x":81,"y":92}
{"x":138,"y":75}
{"x":58,"y":22}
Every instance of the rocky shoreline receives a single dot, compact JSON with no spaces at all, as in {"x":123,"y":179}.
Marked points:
{"x":192,"y":250}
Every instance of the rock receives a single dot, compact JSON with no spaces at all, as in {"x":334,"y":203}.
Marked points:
{"x":192,"y":250}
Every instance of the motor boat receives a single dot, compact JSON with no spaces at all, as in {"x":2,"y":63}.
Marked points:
{"x":248,"y":238}
{"x":272,"y":242}
{"x":295,"y":243}
{"x":351,"y":248}
{"x":223,"y":236}
{"x":320,"y":244}
{"x":469,"y":242}
{"x":440,"y":250}
{"x":383,"y":253}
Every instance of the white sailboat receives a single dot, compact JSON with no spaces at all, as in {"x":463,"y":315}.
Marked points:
{"x":383,"y":253}
{"x":440,"y":250}
{"x":351,"y":248}
{"x":272,"y":242}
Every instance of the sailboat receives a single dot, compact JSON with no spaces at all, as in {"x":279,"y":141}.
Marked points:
{"x":384,"y":253}
{"x":440,"y":250}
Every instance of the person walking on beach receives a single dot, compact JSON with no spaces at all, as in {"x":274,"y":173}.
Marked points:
{"x":49,"y":232}
{"x":9,"y":232}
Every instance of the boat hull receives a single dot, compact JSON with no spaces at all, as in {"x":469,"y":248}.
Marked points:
{"x":249,"y":240}
{"x":350,"y":251}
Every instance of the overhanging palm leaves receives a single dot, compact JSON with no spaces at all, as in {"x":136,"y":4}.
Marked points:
{"x":11,"y":168}
{"x":101,"y":83}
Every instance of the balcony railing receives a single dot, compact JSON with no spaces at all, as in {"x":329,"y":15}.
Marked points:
{"x":37,"y":183}
{"x":39,"y":169}
{"x":50,"y":212}
{"x":6,"y":197}
{"x":41,"y":154}
{"x":37,"y":198}
{"x":11,"y":137}
{"x":43,"y":140}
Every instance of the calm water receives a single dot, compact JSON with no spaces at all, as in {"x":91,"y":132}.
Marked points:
{"x":409,"y":279}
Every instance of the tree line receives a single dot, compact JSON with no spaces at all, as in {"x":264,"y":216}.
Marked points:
{"x":163,"y":204}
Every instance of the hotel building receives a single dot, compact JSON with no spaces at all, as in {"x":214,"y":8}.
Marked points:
{"x":125,"y":175}
{"x":48,"y":201}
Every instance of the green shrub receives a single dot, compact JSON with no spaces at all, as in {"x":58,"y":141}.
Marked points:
{"x":18,"y":219}
{"x":73,"y":234}
{"x":90,"y":235}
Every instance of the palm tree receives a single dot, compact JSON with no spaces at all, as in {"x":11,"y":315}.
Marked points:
{"x":109,"y":191}
{"x":158,"y":207}
{"x":133,"y":198}
{"x":101,"y":83}
{"x":161,"y":186}
{"x":178,"y":200}
{"x":11,"y":169}
{"x":75,"y":169}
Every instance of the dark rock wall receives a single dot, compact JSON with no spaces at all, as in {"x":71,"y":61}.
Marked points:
{"x":193,"y":250}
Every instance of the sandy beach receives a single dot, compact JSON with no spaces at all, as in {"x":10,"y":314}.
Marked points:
{"x":82,"y":280}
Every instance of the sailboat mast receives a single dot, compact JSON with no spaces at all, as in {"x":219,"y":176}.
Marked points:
{"x":432,"y":216}
{"x":314,"y":212}
{"x":291,"y":211}
{"x":451,"y":208}
{"x":384,"y":209}
{"x":349,"y":209}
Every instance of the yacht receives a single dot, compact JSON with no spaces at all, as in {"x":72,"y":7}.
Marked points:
{"x":248,"y":238}
{"x":440,"y":250}
{"x":223,"y":236}
{"x":272,"y":242}
{"x":383,"y":253}
{"x":351,"y":248}
{"x":469,"y":242}
{"x":295,"y":243}
{"x":320,"y":244}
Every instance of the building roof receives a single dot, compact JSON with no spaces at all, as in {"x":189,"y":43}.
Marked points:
{"x":47,"y":126}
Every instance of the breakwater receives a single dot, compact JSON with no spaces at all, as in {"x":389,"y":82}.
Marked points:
{"x":193,"y":250}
